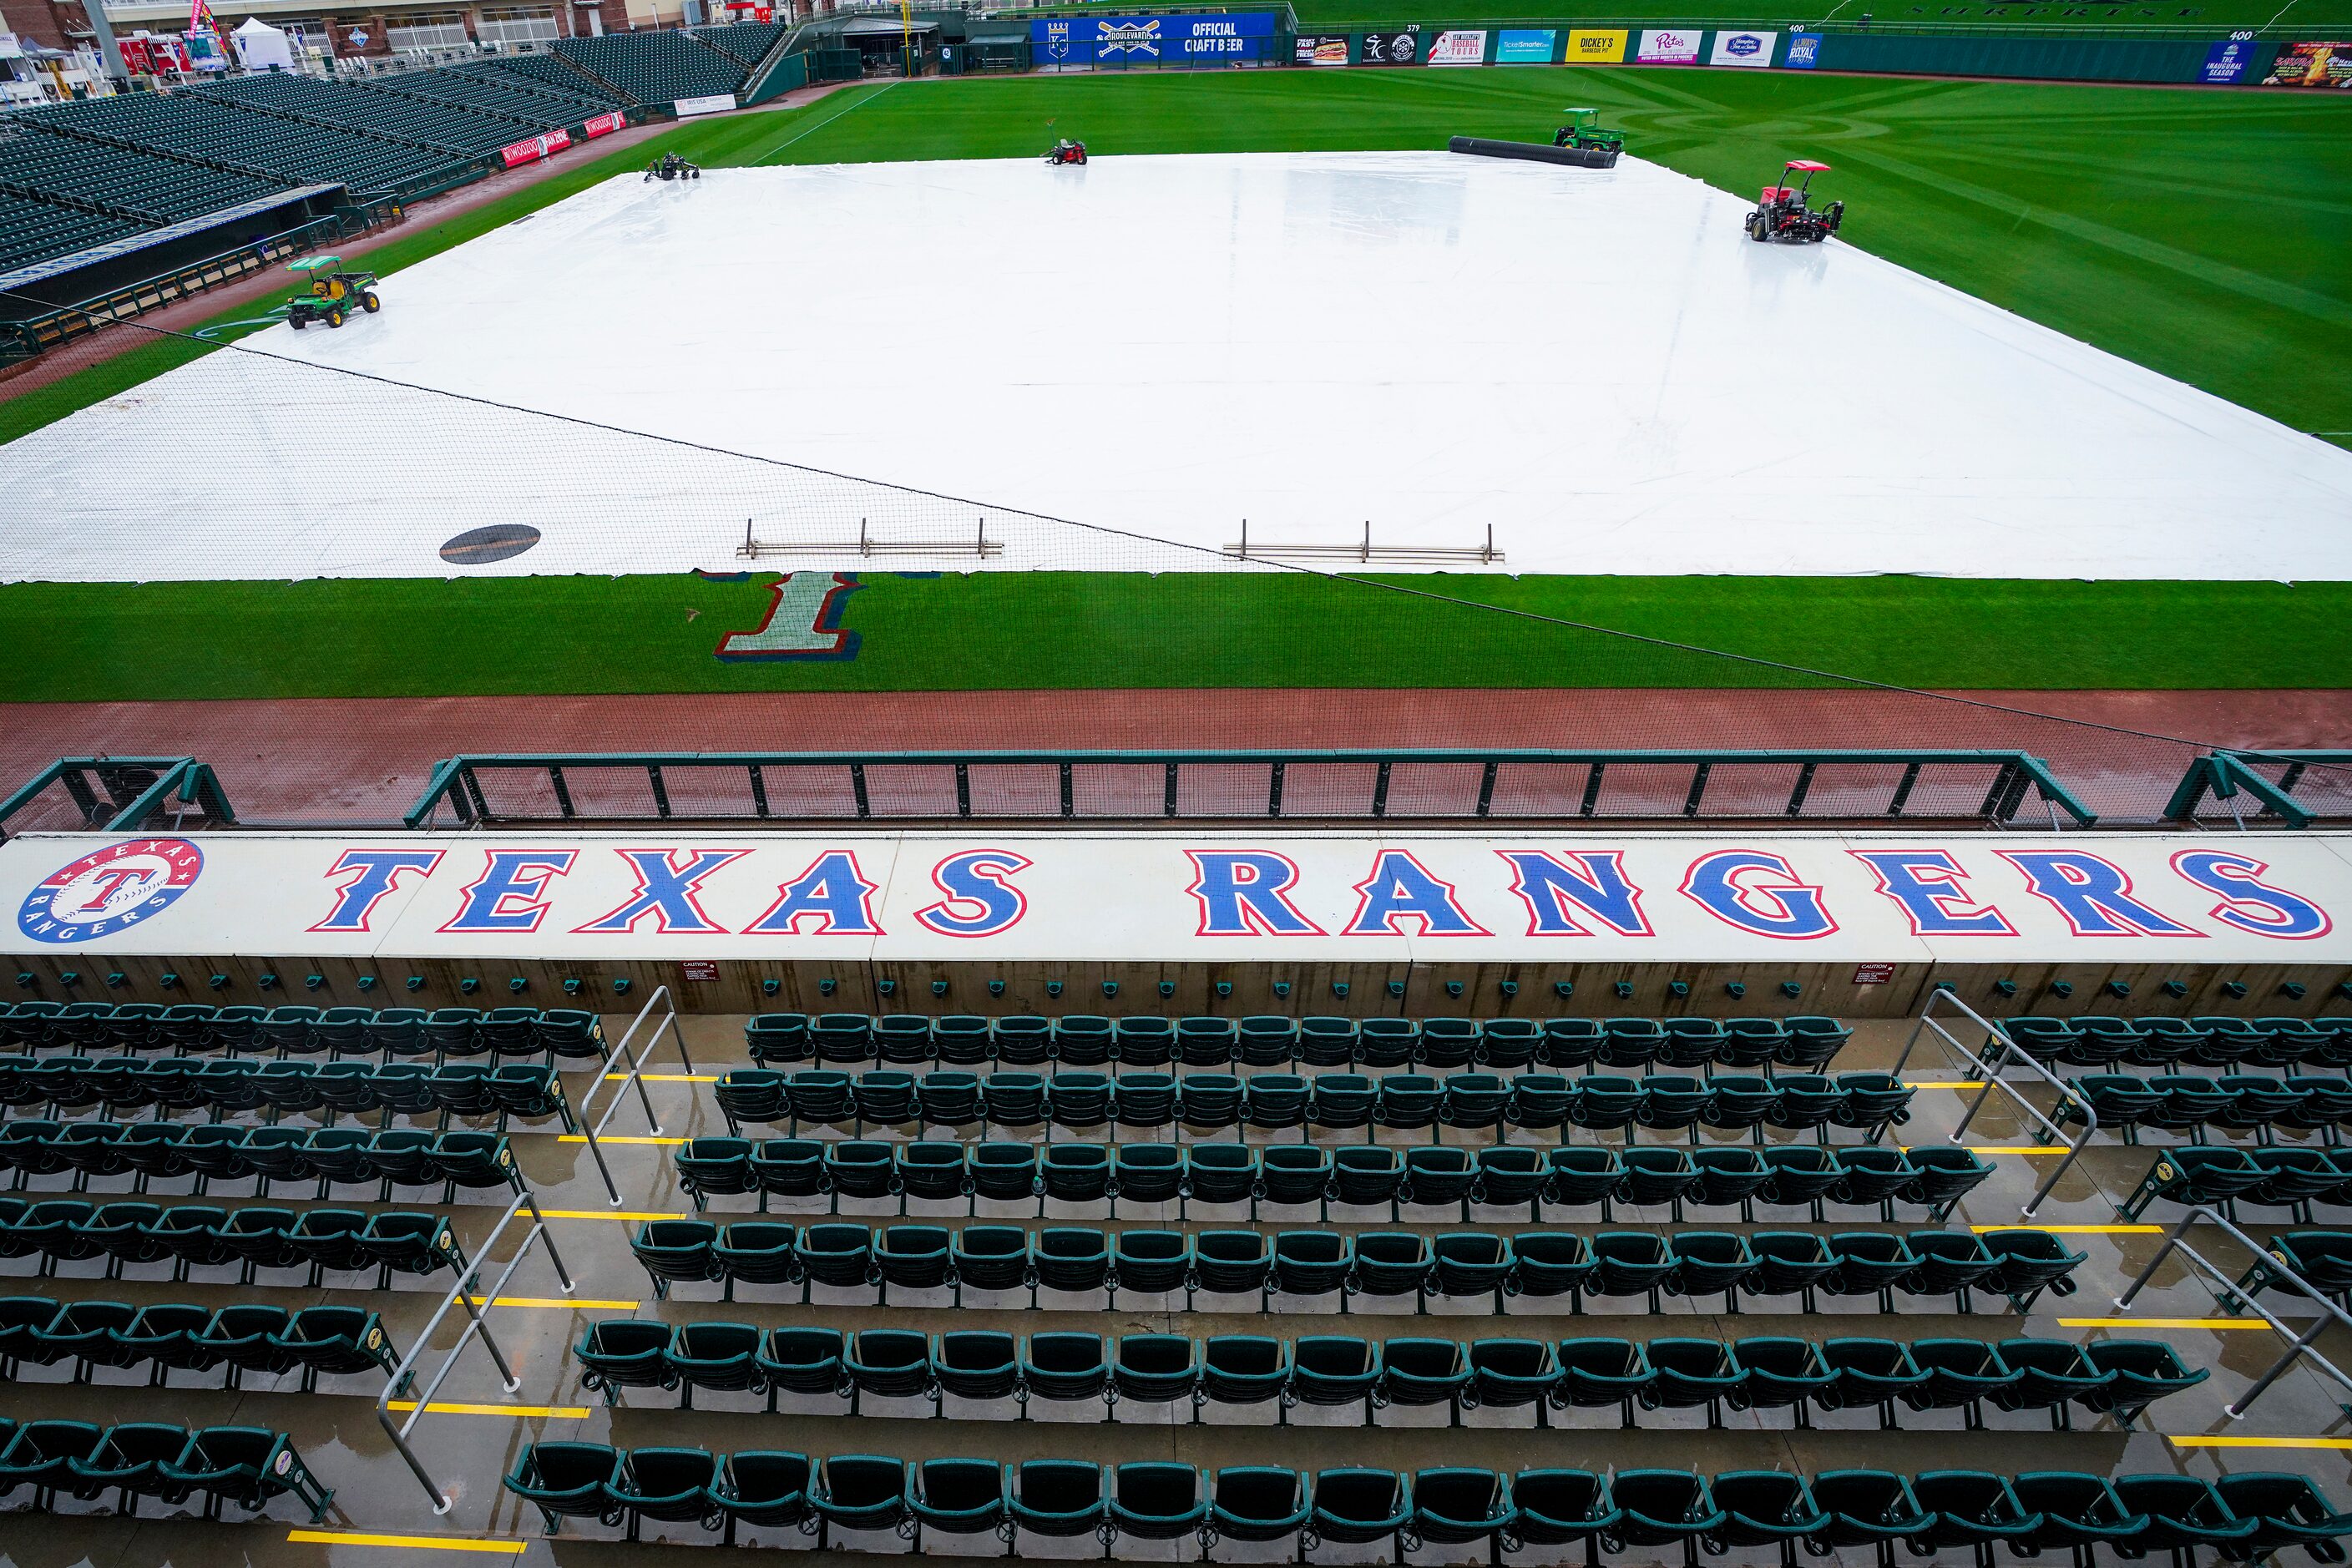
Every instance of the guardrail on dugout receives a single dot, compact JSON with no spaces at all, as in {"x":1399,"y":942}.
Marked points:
{"x":1988,"y":786}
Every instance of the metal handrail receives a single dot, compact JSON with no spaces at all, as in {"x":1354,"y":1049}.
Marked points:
{"x":2299,"y":1343}
{"x":2228,"y":773}
{"x":636,"y":1074}
{"x":1989,"y":1076}
{"x":85,"y":777}
{"x":477,"y":1323}
{"x":456,"y":781}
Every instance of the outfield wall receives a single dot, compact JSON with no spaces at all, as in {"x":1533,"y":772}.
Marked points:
{"x":1424,"y":923}
{"x":1192,"y":41}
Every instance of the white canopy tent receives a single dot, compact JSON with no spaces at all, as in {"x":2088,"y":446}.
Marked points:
{"x":260,"y":47}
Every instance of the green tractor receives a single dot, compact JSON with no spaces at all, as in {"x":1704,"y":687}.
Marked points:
{"x":334,"y":293}
{"x":1583,"y":132}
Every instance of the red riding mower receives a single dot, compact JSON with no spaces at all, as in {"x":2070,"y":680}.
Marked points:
{"x":1067,"y":152}
{"x":1781,"y":213}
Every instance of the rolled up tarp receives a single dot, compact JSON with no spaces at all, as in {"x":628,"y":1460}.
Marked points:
{"x":1535,"y":152}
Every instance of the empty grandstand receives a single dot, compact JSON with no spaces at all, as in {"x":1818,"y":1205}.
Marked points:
{"x":143,"y":186}
{"x":654,"y":67}
{"x":362,"y":106}
{"x":748,"y":42}
{"x":232,"y":136}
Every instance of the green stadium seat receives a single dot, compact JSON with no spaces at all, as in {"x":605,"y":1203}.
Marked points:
{"x":1868,"y":1510}
{"x":247,"y":1467}
{"x":1767,"y":1509}
{"x":721,"y":1358}
{"x":1244,"y":1369}
{"x":625,"y":1353}
{"x":762,"y":1488}
{"x":1358,"y":1507}
{"x":1693,"y":1374}
{"x":1664,"y":1507}
{"x":1066,"y":1367}
{"x":980,"y":1364}
{"x":809,"y":1362}
{"x":565,"y":1480}
{"x":1257,"y":1504}
{"x":1056,"y":1499}
{"x":959,"y":1498}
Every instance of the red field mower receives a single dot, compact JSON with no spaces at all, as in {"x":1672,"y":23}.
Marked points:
{"x":1067,"y":152}
{"x":1782,"y":213}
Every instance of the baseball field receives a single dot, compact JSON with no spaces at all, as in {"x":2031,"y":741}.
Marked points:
{"x":2201,"y":235}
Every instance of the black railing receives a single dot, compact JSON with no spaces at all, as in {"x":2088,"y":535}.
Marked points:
{"x":1985,"y":786}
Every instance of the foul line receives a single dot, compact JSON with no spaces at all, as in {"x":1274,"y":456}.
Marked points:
{"x":854,"y":104}
{"x":410,"y":1542}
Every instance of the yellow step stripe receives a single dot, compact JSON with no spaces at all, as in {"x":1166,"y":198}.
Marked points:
{"x":2162,"y":1323}
{"x":409,"y":1542}
{"x":2260,"y":1442}
{"x":665,"y":1077}
{"x":616,"y":1138}
{"x":2077,"y":1229}
{"x":558,"y":1411}
{"x":627,"y":1216}
{"x":567,"y":1304}
{"x":1943,"y":1083}
{"x":2019,"y":1148}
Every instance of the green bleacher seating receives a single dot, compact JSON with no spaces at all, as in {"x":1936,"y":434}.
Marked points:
{"x":656,"y":67}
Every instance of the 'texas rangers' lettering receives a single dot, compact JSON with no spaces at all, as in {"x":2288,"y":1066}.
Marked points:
{"x":1235,"y":892}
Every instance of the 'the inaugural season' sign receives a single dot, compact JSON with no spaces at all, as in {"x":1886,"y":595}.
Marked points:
{"x":1873,"y":897}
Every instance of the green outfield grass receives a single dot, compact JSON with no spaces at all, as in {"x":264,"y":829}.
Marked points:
{"x":2200,"y":233}
{"x":547,"y":636}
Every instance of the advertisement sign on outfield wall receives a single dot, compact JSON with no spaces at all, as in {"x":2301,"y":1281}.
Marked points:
{"x":1804,"y":51}
{"x":1743,"y":48}
{"x":1459,"y":47}
{"x":1595,"y":45}
{"x":1327,"y":49}
{"x":2311,"y":65}
{"x":1668,"y":46}
{"x":711,"y":104}
{"x":604,"y":125}
{"x":1141,"y":40}
{"x":2226,"y":62}
{"x":1524,"y":46}
{"x":1392,"y":48}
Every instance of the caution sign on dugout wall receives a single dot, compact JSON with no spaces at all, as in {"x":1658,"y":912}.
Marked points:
{"x":1452,"y":898}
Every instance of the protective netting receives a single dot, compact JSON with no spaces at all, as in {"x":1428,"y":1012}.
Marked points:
{"x":524,"y":581}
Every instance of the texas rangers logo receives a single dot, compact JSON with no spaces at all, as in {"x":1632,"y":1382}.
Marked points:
{"x":109,"y":889}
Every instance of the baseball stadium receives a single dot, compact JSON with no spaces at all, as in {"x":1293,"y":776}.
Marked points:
{"x":1086,"y":782}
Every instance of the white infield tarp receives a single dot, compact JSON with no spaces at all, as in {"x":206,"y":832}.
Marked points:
{"x":1597,"y":365}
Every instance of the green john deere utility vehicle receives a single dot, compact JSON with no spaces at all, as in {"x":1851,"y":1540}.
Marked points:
{"x":1584,"y":132}
{"x":334,"y":292}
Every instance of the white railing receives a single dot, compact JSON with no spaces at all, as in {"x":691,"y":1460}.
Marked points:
{"x":632,"y":1077}
{"x":1988,"y":1069}
{"x":477,"y":1325}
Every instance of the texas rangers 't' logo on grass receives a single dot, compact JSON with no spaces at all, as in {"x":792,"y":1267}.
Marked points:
{"x":109,"y":889}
